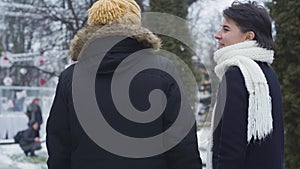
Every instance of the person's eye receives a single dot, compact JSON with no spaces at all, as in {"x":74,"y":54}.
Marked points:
{"x":225,"y":29}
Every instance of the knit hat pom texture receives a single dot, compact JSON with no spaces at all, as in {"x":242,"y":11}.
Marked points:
{"x":118,"y":11}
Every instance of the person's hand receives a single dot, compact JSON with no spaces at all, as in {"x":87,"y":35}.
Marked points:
{"x":37,"y":139}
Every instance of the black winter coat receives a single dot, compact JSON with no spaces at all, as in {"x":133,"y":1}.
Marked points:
{"x":230,"y":148}
{"x":27,"y":142}
{"x":34,"y":113}
{"x":69,"y":147}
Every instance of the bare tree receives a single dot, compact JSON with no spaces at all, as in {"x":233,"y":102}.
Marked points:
{"x":34,"y":30}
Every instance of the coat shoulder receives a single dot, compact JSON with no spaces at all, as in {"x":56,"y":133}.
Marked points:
{"x":233,"y":74}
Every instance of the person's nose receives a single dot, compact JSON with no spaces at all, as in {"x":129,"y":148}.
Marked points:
{"x":218,"y":35}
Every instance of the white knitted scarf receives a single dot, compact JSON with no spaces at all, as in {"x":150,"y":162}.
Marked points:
{"x":244,"y":55}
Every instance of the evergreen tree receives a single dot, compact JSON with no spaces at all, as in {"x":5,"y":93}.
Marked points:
{"x":177,"y":8}
{"x":287,"y":60}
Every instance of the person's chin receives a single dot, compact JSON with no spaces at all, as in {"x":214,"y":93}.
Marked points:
{"x":220,"y":45}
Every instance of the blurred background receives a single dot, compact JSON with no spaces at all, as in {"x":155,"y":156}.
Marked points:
{"x":35,"y":37}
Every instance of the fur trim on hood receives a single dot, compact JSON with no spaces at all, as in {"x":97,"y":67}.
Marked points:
{"x":142,"y":35}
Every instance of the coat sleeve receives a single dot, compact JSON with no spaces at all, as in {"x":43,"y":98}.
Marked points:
{"x":184,"y":155}
{"x":58,"y":139}
{"x":39,"y":116}
{"x":33,"y":118}
{"x":233,"y":136}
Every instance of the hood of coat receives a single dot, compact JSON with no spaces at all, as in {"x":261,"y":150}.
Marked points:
{"x":137,"y":37}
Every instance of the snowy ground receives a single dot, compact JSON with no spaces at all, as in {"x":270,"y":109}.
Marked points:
{"x":12,"y":157}
{"x":203,"y":142}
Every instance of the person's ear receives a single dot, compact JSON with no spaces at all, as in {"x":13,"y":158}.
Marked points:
{"x":250,"y":35}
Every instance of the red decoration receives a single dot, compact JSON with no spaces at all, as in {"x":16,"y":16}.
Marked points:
{"x":42,"y":61}
{"x":42,"y":81}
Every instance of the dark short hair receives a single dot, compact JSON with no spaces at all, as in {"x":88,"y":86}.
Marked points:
{"x":252,"y":17}
{"x":33,"y":122}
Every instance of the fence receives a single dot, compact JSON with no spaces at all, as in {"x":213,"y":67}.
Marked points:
{"x":13,"y":103}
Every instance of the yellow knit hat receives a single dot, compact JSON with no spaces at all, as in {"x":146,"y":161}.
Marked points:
{"x":120,"y":11}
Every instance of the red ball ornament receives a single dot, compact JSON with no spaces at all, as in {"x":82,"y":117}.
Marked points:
{"x":42,"y":81}
{"x":5,"y":58}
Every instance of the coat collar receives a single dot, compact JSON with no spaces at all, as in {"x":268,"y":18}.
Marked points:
{"x":141,"y":34}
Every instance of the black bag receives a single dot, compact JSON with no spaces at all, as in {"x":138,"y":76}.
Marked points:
{"x":18,"y":136}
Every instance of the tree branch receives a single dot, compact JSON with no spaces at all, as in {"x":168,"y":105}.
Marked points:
{"x":37,"y":68}
{"x":70,"y":6}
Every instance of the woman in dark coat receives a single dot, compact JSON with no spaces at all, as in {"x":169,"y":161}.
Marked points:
{"x":34,"y":114}
{"x":70,"y":145}
{"x":29,"y":142}
{"x":248,"y":117}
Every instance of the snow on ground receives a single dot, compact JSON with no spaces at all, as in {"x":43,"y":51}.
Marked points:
{"x":203,"y":142}
{"x":12,"y":157}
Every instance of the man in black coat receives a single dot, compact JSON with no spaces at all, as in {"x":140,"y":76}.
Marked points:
{"x":71,"y":145}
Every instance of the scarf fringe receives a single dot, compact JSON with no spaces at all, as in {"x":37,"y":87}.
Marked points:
{"x":260,"y":113}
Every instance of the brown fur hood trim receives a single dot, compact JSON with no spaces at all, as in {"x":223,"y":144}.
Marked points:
{"x":142,"y":35}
